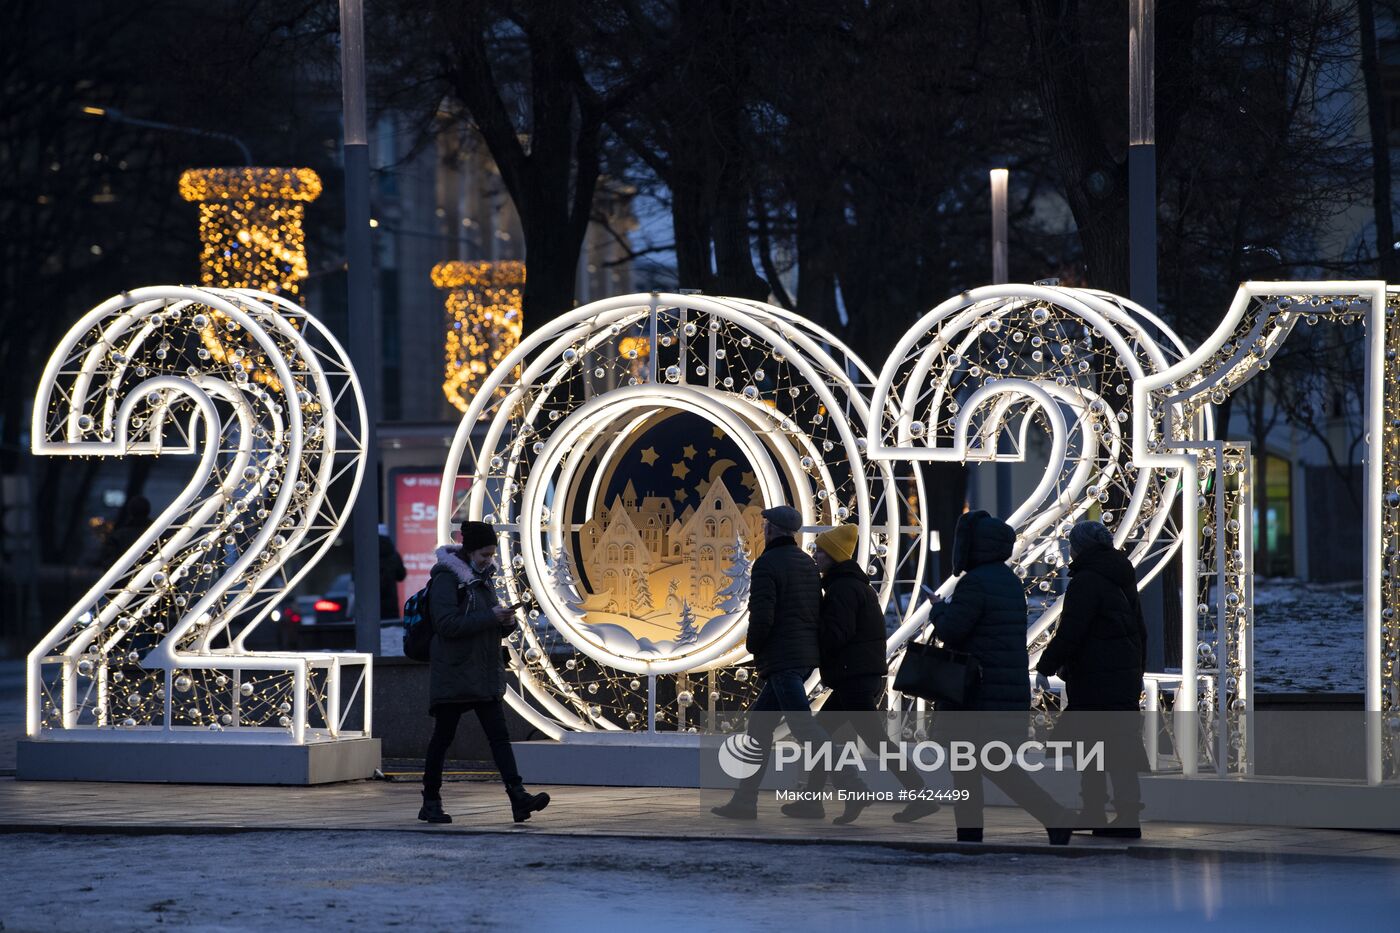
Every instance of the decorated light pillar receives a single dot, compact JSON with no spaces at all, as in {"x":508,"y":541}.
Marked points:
{"x":483,"y":321}
{"x":250,"y":225}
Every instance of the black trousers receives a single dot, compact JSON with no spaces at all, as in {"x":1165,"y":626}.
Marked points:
{"x":851,"y":708}
{"x":492,"y":716}
{"x":1016,"y":783}
{"x":1124,"y":758}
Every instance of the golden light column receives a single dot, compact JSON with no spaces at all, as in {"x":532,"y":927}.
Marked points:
{"x":250,"y":225}
{"x":484,"y":321}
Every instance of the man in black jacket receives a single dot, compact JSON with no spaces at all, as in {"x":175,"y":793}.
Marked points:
{"x":783,"y":637}
{"x":853,"y":665}
{"x":467,"y":673}
{"x":1100,"y":651}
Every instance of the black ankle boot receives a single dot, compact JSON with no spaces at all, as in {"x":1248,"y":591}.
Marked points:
{"x":916,"y":810}
{"x":432,"y":812}
{"x":970,"y":835}
{"x":523,"y":803}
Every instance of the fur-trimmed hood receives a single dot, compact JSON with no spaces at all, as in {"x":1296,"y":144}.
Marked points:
{"x":449,"y":560}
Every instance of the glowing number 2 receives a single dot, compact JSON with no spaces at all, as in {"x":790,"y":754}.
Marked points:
{"x":267,"y":400}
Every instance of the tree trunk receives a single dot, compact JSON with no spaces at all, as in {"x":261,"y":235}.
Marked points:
{"x":1095,"y":182}
{"x":734,"y":269}
{"x":551,"y":261}
{"x":816,"y":244}
{"x":1380,"y":143}
{"x":692,"y":232}
{"x":551,"y":180}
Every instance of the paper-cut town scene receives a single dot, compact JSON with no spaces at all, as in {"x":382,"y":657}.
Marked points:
{"x":661,"y":574}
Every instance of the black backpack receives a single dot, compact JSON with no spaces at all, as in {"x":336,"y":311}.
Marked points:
{"x":418,"y":626}
{"x":418,"y":623}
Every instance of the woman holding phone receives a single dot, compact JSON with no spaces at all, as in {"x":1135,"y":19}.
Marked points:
{"x":467,"y":669}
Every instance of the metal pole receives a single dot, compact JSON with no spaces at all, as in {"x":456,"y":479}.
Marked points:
{"x":362,"y":345}
{"x":1000,"y":274}
{"x":1142,"y":205}
{"x":998,"y":177}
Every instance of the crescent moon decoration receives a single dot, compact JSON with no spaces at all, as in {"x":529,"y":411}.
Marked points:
{"x":717,"y":471}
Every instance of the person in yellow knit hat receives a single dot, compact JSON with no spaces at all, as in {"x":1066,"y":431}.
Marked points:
{"x":852,"y":643}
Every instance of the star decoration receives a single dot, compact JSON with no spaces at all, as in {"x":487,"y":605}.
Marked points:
{"x":711,"y":451}
{"x":682,"y":495}
{"x":649,"y":456}
{"x":689,"y":453}
{"x":718,"y":431}
{"x":702,"y":487}
{"x":679,"y":470}
{"x":749,"y":480}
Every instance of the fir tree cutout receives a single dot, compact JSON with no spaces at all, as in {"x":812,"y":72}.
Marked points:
{"x":735,"y":595}
{"x":565,"y":587}
{"x":689,"y":635}
{"x":641,"y":594}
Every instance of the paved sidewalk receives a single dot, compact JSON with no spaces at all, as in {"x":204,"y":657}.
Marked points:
{"x":606,"y":812}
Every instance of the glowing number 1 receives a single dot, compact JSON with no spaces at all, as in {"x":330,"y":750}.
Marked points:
{"x":1217,"y":645}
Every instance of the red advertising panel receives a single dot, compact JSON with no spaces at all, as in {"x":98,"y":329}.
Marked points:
{"x":415,"y":512}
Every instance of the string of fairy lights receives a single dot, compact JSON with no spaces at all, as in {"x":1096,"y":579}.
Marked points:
{"x":484,"y":321}
{"x":1390,"y":526}
{"x":1040,"y":373}
{"x":1058,"y":341}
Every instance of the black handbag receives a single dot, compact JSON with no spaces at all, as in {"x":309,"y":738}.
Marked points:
{"x":931,"y":672}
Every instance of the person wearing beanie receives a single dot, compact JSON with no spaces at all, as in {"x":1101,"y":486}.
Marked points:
{"x":851,"y":635}
{"x":783,"y":637}
{"x":467,"y":672}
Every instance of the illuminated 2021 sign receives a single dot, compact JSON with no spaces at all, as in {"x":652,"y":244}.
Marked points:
{"x":623,"y":452}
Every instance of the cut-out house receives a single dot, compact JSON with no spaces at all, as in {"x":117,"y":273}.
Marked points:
{"x":638,"y":536}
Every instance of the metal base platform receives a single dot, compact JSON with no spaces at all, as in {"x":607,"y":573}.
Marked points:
{"x":612,"y":759}
{"x":187,"y":763}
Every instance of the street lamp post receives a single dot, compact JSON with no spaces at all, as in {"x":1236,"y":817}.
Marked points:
{"x":998,"y":178}
{"x":362,"y":345}
{"x":117,"y":116}
{"x":1142,"y":201}
{"x":1142,"y":158}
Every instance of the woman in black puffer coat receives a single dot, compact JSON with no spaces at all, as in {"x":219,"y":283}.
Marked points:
{"x":986,"y":617}
{"x":467,"y":672}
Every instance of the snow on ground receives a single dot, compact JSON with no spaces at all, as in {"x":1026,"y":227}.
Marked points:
{"x":1308,"y":637}
{"x":540,"y":883}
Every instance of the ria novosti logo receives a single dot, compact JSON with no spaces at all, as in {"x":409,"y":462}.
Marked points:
{"x":741,"y":756}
